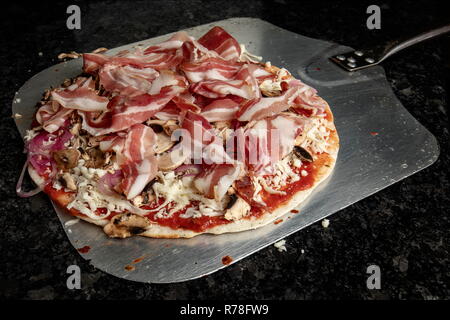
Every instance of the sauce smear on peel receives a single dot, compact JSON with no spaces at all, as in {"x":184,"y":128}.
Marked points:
{"x":85,"y":249}
{"x":226,"y":260}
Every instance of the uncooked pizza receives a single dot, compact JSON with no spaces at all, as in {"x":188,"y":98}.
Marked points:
{"x":179,"y":139}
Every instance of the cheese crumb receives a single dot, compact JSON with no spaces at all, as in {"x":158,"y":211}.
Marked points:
{"x":325,"y":223}
{"x":280,"y":245}
{"x":71,"y":222}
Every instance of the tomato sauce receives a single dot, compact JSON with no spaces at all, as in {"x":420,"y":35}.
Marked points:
{"x":176,"y":222}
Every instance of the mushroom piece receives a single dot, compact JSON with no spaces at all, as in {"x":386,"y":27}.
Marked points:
{"x":173,"y":159}
{"x":303,"y":154}
{"x":95,"y":158}
{"x":66,"y":159}
{"x":237,"y":208}
{"x":163,"y":142}
{"x":75,"y":128}
{"x":168,"y":126}
{"x":68,"y":181}
{"x":125,"y":225}
{"x":94,"y":141}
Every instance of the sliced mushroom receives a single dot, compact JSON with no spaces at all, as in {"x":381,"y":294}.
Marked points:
{"x":163,"y":142}
{"x":94,"y":141}
{"x":66,"y":159}
{"x":68,"y":181}
{"x":232,"y":201}
{"x":303,"y":154}
{"x":172,"y":160}
{"x":126,"y":225}
{"x":238,"y":209}
{"x":95,"y":158}
{"x":168,"y":126}
{"x":299,"y":139}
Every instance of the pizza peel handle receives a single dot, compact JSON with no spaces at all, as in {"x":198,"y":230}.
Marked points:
{"x":360,"y":59}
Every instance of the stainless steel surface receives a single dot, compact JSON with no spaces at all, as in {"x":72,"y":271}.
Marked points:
{"x":357,"y":60}
{"x":381,"y":143}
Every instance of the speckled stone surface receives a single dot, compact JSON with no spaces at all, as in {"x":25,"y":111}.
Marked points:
{"x":404,"y":229}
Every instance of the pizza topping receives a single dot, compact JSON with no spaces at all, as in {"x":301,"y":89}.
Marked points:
{"x":247,"y":56}
{"x":68,"y":181}
{"x":66,"y":159}
{"x":215,"y":180}
{"x":163,"y":142}
{"x":222,"y":42}
{"x":263,"y":107}
{"x":89,"y":197}
{"x":303,"y":154}
{"x":52,"y":116}
{"x":173,"y":159}
{"x":126,"y":225}
{"x":238,"y":210}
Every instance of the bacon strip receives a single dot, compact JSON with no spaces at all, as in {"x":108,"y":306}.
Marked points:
{"x":52,"y":116}
{"x":81,"y":98}
{"x":215,"y":180}
{"x":136,"y":176}
{"x":203,"y":145}
{"x":124,"y":112}
{"x":222,"y":42}
{"x":139,"y":162}
{"x":116,"y":78}
{"x":269,"y":140}
{"x":209,"y":69}
{"x":257,"y":109}
{"x":219,"y":89}
{"x":220,"y":110}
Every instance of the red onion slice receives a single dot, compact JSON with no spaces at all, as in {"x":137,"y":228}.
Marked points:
{"x":25,"y":194}
{"x":108,"y":181}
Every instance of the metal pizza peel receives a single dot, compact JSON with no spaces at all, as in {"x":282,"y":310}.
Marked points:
{"x":381,"y":143}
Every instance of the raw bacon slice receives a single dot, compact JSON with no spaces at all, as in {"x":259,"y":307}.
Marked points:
{"x":116,"y":78}
{"x":186,"y":102}
{"x":136,"y":176}
{"x":52,"y":116}
{"x":139,"y":162}
{"x":257,"y":109}
{"x":220,"y":110}
{"x":215,"y":180}
{"x":139,"y":143}
{"x":124,"y":112}
{"x":201,"y":142}
{"x":92,"y":62}
{"x":209,"y":69}
{"x":269,"y":140}
{"x":175,"y":42}
{"x":222,"y":42}
{"x":218,"y":89}
{"x":82,"y":98}
{"x":169,"y":112}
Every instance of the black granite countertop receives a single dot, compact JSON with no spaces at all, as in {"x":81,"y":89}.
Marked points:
{"x":404,"y":229}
